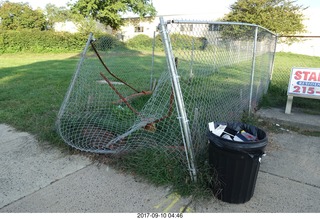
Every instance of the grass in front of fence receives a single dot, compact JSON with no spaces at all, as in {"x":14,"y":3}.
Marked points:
{"x":167,"y":167}
{"x":32,"y":87}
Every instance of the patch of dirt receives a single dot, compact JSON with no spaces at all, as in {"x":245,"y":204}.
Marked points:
{"x":98,"y":138}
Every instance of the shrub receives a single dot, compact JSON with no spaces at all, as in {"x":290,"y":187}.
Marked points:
{"x":140,"y":41}
{"x":40,"y":41}
{"x":108,"y":42}
{"x":183,"y":41}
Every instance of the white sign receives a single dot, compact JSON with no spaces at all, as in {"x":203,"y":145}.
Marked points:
{"x":305,"y":82}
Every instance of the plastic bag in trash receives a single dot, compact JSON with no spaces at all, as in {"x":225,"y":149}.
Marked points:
{"x":244,"y":137}
{"x":227,"y":132}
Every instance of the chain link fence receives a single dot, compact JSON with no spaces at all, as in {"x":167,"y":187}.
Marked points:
{"x":122,"y":100}
{"x":305,"y":53}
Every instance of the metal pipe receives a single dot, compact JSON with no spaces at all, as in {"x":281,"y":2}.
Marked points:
{"x":292,"y":36}
{"x":192,"y":60}
{"x":215,"y":52}
{"x":217,"y":22}
{"x":152,"y":62}
{"x":273,"y":58}
{"x":184,"y":123}
{"x":253,"y":68}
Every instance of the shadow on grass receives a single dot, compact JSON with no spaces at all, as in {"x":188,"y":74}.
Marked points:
{"x":31,"y":95}
{"x":31,"y":92}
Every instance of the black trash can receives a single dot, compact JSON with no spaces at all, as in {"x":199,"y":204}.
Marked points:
{"x":236,"y":163}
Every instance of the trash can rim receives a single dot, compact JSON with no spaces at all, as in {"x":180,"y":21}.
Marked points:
{"x":248,"y":146}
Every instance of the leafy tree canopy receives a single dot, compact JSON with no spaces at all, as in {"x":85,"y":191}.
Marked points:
{"x":283,"y":17}
{"x":15,"y":16}
{"x":109,"y":12}
{"x":57,"y":14}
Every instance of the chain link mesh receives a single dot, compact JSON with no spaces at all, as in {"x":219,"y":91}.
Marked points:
{"x":224,"y":69}
{"x":305,"y":53}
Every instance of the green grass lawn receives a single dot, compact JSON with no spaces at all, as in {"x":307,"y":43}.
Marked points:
{"x":32,"y":87}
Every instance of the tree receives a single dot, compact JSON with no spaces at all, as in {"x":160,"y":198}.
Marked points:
{"x":57,"y":14}
{"x":109,"y":12}
{"x":283,"y":17}
{"x":15,"y":16}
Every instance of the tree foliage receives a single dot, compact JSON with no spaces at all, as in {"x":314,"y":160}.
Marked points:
{"x":16,"y":16}
{"x":109,"y":12}
{"x":57,"y":14}
{"x":283,"y":17}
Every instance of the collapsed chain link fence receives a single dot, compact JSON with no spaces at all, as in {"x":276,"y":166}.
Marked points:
{"x":122,"y":99}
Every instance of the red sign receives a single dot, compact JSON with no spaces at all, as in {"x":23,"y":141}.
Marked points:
{"x":305,"y":82}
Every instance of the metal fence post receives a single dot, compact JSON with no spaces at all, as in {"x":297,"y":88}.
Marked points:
{"x":183,"y":120}
{"x":273,"y":58}
{"x":192,"y":61}
{"x":253,"y":68}
{"x":152,"y":62}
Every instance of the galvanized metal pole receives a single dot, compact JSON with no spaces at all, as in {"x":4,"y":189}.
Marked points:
{"x":152,"y":63}
{"x":273,"y":58}
{"x":254,"y":52}
{"x":192,"y":60}
{"x":215,"y":54}
{"x":183,"y":120}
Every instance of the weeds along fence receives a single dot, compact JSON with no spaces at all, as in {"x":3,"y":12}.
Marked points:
{"x":123,"y":100}
{"x":304,"y":51}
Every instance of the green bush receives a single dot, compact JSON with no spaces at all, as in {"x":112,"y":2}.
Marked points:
{"x":50,"y":41}
{"x":140,"y":41}
{"x":108,"y":42}
{"x":40,"y":41}
{"x":183,"y":41}
{"x":179,"y":41}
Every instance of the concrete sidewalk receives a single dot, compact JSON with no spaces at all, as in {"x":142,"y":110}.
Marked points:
{"x":296,"y":118}
{"x":41,"y":178}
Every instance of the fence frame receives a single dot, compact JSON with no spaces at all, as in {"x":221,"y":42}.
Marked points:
{"x":253,"y":52}
{"x":188,"y":121}
{"x":183,"y":119}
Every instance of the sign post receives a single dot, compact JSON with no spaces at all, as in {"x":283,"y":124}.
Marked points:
{"x":304,"y":82}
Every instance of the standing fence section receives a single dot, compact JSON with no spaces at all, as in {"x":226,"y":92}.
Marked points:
{"x":224,"y":70}
{"x":123,"y":99}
